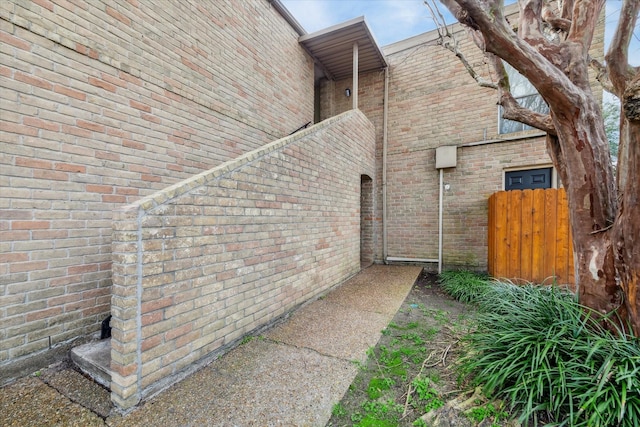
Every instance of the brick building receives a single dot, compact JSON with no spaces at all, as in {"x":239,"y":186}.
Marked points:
{"x":147,"y":171}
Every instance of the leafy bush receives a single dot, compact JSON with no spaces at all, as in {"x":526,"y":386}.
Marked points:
{"x":464,"y":286}
{"x":540,"y":350}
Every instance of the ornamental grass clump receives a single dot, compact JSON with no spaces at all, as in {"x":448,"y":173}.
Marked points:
{"x":464,"y":286}
{"x":551,"y":359}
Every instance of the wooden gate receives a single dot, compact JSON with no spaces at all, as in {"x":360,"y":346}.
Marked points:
{"x":530,"y":237}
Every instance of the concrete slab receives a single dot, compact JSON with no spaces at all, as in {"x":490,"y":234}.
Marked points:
{"x":79,"y":389}
{"x":260,"y":383}
{"x":290,"y":376}
{"x":378,"y":289}
{"x":331,"y":329}
{"x":94,"y":359}
{"x":30,"y":402}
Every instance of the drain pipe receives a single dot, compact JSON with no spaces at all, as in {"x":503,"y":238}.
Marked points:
{"x":385,"y":120}
{"x":385,"y":115}
{"x":440,"y":221}
{"x":446,"y":157}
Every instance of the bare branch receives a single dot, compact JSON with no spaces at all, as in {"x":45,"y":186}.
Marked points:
{"x":529,"y":27}
{"x":511,"y":109}
{"x":567,"y":9}
{"x":617,"y":57}
{"x":449,"y":42}
{"x":555,"y":22}
{"x":453,"y":47}
{"x":544,"y":73}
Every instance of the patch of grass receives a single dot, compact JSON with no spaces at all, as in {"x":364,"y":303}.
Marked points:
{"x":427,"y":396}
{"x":338,"y":410}
{"x":415,"y":338}
{"x":488,"y":411}
{"x":246,"y":339}
{"x":420,"y":423}
{"x":377,"y":386}
{"x":408,"y":326}
{"x":361,"y":366}
{"x":430,"y":332}
{"x":398,"y":383}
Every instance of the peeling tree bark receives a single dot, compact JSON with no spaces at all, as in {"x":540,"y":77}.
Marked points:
{"x":604,"y":211}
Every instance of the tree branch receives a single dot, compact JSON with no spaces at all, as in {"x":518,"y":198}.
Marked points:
{"x":602,"y":75}
{"x":449,"y":42}
{"x":585,"y":18}
{"x":529,"y":26}
{"x":555,"y":22}
{"x":453,"y":47}
{"x":511,"y":109}
{"x":616,"y":58}
{"x":567,"y":9}
{"x":546,"y":75}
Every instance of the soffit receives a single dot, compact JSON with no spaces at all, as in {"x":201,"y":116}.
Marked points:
{"x":332,"y":48}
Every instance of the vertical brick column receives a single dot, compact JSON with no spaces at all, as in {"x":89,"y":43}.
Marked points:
{"x":125,"y":307}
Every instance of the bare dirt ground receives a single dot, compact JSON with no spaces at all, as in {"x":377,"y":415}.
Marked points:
{"x":411,"y":370}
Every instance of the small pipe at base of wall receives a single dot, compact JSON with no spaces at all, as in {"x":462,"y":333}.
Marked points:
{"x":402,"y":259}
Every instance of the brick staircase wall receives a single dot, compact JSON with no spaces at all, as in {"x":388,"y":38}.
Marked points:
{"x":200,"y":264}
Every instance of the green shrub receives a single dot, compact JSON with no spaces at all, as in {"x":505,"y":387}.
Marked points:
{"x":464,"y":286}
{"x":540,"y":350}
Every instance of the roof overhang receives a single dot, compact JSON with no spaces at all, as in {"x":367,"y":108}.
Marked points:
{"x":332,"y":48}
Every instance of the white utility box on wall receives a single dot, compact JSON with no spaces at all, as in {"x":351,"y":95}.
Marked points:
{"x":446,"y":157}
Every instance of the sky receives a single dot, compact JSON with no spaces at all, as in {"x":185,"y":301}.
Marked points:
{"x":390,"y":20}
{"x":394,"y":20}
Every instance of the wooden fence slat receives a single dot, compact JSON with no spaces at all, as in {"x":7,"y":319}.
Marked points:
{"x":514,"y":217}
{"x":491,"y":261}
{"x":550,"y":205}
{"x":530,"y":236}
{"x":537,"y":240}
{"x":526,"y":249}
{"x":501,"y":253}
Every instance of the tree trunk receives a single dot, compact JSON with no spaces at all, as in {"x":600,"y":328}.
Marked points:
{"x":606,"y":231}
{"x":627,"y":226}
{"x":604,"y":213}
{"x":581,"y":156}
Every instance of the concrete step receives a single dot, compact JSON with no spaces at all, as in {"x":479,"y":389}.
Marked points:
{"x":94,"y":359}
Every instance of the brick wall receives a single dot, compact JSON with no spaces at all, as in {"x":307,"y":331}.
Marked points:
{"x":104,"y":103}
{"x":433,"y":102}
{"x":367,"y":223}
{"x":200,"y":264}
{"x":371,"y":102}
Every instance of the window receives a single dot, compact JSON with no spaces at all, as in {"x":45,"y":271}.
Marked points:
{"x":526,"y":95}
{"x":527,"y":179}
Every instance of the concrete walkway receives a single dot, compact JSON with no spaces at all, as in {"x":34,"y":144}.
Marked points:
{"x":292,"y":375}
